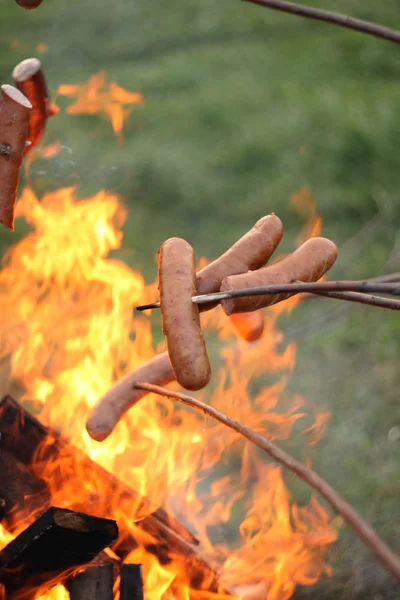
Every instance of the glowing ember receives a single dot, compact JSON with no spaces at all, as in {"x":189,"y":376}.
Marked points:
{"x":100,"y":96}
{"x":68,"y":331}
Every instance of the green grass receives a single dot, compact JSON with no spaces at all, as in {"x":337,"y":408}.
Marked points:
{"x":243,"y":107}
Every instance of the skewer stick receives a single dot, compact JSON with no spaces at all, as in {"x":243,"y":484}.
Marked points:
{"x":333,"y":18}
{"x":371,"y":539}
{"x":362,"y":287}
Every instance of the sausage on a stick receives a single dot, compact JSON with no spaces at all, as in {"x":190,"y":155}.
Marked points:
{"x":180,"y":316}
{"x":114,"y":404}
{"x":308,"y":263}
{"x":15,"y":111}
{"x":29,"y":79}
{"x":251,"y":251}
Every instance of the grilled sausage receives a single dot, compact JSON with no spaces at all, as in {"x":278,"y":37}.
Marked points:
{"x":180,"y":316}
{"x":250,"y":252}
{"x":29,"y":79}
{"x":308,"y":263}
{"x":114,"y":404}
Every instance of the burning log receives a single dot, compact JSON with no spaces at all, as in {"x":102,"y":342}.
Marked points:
{"x":15,"y":112}
{"x":38,"y":448}
{"x":29,"y":4}
{"x":131,"y":587}
{"x":32,"y":561}
{"x":23,"y":495}
{"x":29,"y":79}
{"x":95,"y":583}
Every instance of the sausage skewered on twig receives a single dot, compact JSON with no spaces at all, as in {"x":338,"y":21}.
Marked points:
{"x":252,"y":250}
{"x":30,"y":80}
{"x":15,"y":110}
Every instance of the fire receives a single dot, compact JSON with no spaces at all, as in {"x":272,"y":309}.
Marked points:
{"x":68,"y":331}
{"x":97,"y":95}
{"x":304,"y":203}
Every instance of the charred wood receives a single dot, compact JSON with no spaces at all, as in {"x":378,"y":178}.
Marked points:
{"x":95,"y":583}
{"x":41,"y":450}
{"x":23,"y":496}
{"x":50,"y":549}
{"x":131,"y":587}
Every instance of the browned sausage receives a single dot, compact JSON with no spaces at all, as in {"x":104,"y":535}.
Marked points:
{"x":249,"y":326}
{"x":180,"y":316}
{"x":250,"y":252}
{"x":29,"y":79}
{"x":15,"y":111}
{"x":308,"y":263}
{"x":114,"y":404}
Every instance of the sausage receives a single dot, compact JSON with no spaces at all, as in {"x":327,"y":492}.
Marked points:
{"x":29,"y":79}
{"x":249,"y":326}
{"x":15,"y":112}
{"x":308,"y":263}
{"x":250,"y":252}
{"x":180,"y":316}
{"x":114,"y":404}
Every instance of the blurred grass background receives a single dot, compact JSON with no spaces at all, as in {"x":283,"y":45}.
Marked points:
{"x":243,"y":107}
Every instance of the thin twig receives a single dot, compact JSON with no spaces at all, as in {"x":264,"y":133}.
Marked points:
{"x":296,"y":288}
{"x":371,"y":539}
{"x":359,"y":298}
{"x":318,"y":14}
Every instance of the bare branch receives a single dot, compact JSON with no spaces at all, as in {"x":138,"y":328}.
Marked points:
{"x":317,"y":14}
{"x":319,"y":288}
{"x":370,"y":538}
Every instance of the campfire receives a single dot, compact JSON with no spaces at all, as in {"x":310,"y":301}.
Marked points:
{"x":98,"y":501}
{"x":159,"y":456}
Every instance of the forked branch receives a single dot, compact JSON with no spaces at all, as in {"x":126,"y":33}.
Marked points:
{"x":386,"y":556}
{"x":327,"y":16}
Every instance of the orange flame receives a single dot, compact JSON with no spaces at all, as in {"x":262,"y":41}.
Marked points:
{"x":303,"y":203}
{"x":100,"y":96}
{"x":68,"y":331}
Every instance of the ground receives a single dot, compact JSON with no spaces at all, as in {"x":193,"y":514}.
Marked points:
{"x":243,"y":107}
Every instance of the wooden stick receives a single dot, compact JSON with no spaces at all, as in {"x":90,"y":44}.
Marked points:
{"x":360,"y":298}
{"x":296,"y":288}
{"x":330,"y":17}
{"x":30,"y":80}
{"x":29,"y":4}
{"x":15,"y":111}
{"x":52,"y":547}
{"x":131,"y":587}
{"x":95,"y":583}
{"x":386,"y":556}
